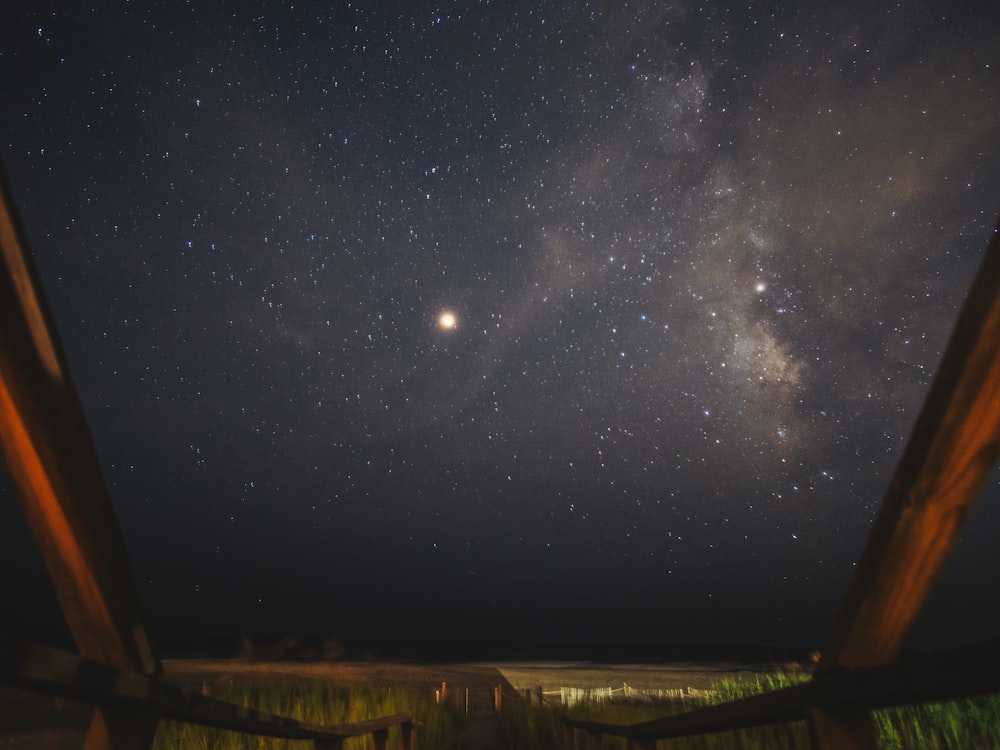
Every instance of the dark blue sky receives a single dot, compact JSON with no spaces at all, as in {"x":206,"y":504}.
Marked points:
{"x":702,"y":262}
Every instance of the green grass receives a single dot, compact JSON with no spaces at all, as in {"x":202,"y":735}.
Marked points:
{"x":317,"y":702}
{"x":973,"y":723}
{"x":951,"y":725}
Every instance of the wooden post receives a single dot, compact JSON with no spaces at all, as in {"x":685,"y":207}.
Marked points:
{"x":498,"y":698}
{"x":408,"y":735}
{"x":115,"y":729}
{"x":568,"y":736}
{"x":634,"y":744}
{"x":336,"y":744}
{"x":591,"y":740}
{"x":843,"y":730}
{"x":380,"y":739}
{"x":951,"y":453}
{"x":56,"y":474}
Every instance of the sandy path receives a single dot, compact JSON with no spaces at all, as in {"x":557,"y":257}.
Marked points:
{"x":552,"y":676}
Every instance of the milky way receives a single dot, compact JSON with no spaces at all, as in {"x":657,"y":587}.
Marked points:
{"x":701,"y":263}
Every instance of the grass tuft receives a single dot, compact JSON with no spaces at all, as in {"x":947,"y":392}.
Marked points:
{"x":317,"y":702}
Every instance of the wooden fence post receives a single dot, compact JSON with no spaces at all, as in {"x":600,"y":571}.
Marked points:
{"x":841,"y":730}
{"x":568,"y":736}
{"x":409,"y":735}
{"x":380,"y":738}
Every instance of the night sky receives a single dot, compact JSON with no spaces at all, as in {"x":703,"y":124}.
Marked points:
{"x":558,"y":321}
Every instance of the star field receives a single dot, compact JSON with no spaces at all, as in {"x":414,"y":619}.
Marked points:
{"x":588,"y":321}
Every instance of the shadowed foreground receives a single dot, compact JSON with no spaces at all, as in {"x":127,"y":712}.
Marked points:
{"x":33,"y":721}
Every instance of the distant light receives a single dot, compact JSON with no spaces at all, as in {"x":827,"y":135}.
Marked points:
{"x":760,"y":288}
{"x":447,"y":320}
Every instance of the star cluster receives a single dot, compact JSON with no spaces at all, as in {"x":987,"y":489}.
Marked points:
{"x":594,"y":321}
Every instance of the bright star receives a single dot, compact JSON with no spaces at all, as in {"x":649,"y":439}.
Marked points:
{"x":447,"y":320}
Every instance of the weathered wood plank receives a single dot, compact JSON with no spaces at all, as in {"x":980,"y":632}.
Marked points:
{"x":952,"y":450}
{"x":55,"y":469}
{"x":58,"y":482}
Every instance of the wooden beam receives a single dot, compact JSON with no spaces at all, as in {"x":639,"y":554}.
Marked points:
{"x":55,"y":469}
{"x":57,"y":479}
{"x":948,"y":459}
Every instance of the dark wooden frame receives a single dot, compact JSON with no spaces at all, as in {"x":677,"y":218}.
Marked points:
{"x":951,"y":452}
{"x":57,"y":478}
{"x":32,"y":666}
{"x":948,"y":459}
